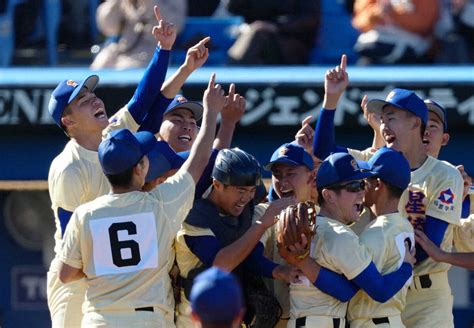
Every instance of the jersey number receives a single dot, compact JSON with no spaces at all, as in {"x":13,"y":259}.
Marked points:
{"x":117,"y":245}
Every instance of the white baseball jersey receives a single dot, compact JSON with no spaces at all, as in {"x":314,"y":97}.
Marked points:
{"x":385,"y":241}
{"x":123,"y":244}
{"x":464,"y":235}
{"x":337,"y":248}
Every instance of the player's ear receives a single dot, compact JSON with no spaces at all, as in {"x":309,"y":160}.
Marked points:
{"x":328,"y":195}
{"x":377,"y":183}
{"x":67,"y":121}
{"x":445,"y":139}
{"x":312,"y":178}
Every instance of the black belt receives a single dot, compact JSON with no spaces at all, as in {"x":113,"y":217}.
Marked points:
{"x":147,"y":308}
{"x":301,"y":322}
{"x":379,"y":321}
{"x":425,"y":281}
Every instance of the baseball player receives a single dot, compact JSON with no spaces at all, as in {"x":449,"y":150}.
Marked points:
{"x":336,"y":251}
{"x":217,"y":300}
{"x":121,"y":242}
{"x":384,"y":237}
{"x":225,"y":229}
{"x":432,"y":202}
{"x":75,"y":176}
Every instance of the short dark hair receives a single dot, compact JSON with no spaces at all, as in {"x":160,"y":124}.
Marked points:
{"x":394,"y":192}
{"x":205,"y":324}
{"x":123,"y":179}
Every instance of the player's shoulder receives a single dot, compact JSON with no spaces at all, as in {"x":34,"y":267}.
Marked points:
{"x":443,"y":169}
{"x":330,"y":228}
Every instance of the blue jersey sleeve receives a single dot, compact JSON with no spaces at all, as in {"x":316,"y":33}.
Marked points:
{"x":154,"y":117}
{"x":435,"y":229}
{"x":205,"y":181}
{"x":259,"y":264}
{"x":204,"y":247}
{"x":336,"y":285}
{"x":466,"y":207}
{"x":382,"y":288}
{"x":64,"y":217}
{"x":149,"y":86}
{"x":324,"y":142}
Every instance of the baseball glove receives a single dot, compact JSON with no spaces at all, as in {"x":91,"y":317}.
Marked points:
{"x":293,"y":222}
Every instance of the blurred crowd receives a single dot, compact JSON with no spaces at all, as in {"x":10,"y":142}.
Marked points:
{"x":284,"y":32}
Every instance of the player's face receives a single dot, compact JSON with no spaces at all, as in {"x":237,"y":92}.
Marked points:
{"x":434,"y":137}
{"x":347,"y":203}
{"x":291,"y":181}
{"x":232,"y":199}
{"x":397,"y":128}
{"x":88,"y":112}
{"x":179,"y":129}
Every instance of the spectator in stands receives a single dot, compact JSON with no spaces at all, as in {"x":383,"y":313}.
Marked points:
{"x":276,"y":32}
{"x":131,"y":21}
{"x":394,"y":31}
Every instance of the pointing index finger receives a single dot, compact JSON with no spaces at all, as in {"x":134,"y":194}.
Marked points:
{"x":212,"y":81}
{"x":156,"y":9}
{"x":343,"y":63}
{"x":306,"y":120}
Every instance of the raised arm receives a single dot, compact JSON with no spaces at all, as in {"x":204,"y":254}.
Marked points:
{"x":213,"y":101}
{"x":335,"y":83}
{"x":233,"y":110}
{"x":149,"y":87}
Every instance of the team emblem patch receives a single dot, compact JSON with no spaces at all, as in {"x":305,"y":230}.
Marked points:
{"x":71,"y":83}
{"x":181,"y":99}
{"x":283,"y":151}
{"x":446,"y":197}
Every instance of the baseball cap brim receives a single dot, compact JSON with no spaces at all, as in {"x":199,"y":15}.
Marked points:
{"x":195,"y":107}
{"x":376,"y":105}
{"x":282,"y":161}
{"x":432,"y":107}
{"x":90,"y":83}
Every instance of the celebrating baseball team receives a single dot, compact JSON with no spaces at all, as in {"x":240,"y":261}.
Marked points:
{"x":161,"y":224}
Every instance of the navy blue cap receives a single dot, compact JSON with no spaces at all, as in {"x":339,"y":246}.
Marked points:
{"x":65,"y":92}
{"x":216,"y":296}
{"x":390,"y":166}
{"x":401,"y":99}
{"x":162,"y":159}
{"x":338,"y":168}
{"x":123,"y":149}
{"x":439,"y":110}
{"x":291,"y":154}
{"x":181,"y":102}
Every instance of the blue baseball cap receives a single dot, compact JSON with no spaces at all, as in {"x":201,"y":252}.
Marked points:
{"x":401,"y":99}
{"x":439,"y":110}
{"x":216,"y":296}
{"x":123,"y":149}
{"x":65,"y":92}
{"x":181,"y":102}
{"x":162,"y":159}
{"x":291,"y":154}
{"x":338,"y":168}
{"x":390,"y":166}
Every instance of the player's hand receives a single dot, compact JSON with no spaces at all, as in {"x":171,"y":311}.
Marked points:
{"x":430,"y":248}
{"x":234,"y":107}
{"x":371,"y":118}
{"x":165,"y":32}
{"x":335,"y":83}
{"x":304,"y":137}
{"x":214,"y":96}
{"x":409,"y":255}
{"x":271,"y":214}
{"x":287,"y":273}
{"x":197,"y":55}
{"x":467,"y":181}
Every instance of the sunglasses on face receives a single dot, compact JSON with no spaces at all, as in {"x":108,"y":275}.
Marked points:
{"x":354,"y":186}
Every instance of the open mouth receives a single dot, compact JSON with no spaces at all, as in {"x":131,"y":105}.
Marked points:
{"x":426,"y":141}
{"x":100,"y":114}
{"x":359,"y":207}
{"x":389,"y":139}
{"x":185,"y":137}
{"x":286,"y":193}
